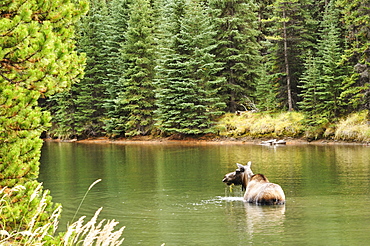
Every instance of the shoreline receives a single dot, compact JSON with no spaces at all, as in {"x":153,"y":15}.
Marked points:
{"x":200,"y":141}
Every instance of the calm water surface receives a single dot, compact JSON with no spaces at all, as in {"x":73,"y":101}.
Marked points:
{"x":173,"y":194}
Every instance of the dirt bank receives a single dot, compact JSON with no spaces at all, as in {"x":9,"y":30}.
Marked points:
{"x":201,"y":140}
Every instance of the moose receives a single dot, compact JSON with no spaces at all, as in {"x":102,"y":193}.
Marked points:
{"x":258,"y":189}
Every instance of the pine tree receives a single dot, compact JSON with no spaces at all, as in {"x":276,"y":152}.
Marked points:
{"x":290,"y":34}
{"x":237,"y":48}
{"x":91,"y":91}
{"x":330,"y":52}
{"x":267,"y":87}
{"x":266,"y":91}
{"x":79,"y":112}
{"x":135,"y":104}
{"x":322,"y":81}
{"x":356,"y":86}
{"x":309,"y":83}
{"x":62,"y":108}
{"x":187,"y":87}
{"x":37,"y":59}
{"x":118,"y":21}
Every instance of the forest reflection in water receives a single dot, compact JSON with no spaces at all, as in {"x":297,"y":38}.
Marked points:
{"x":173,"y":194}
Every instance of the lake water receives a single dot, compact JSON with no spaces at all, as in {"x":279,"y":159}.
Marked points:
{"x":173,"y":194}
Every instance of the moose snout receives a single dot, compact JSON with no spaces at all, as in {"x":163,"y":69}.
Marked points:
{"x":233,"y":178}
{"x":225,"y":180}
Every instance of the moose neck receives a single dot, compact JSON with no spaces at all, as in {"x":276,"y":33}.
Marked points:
{"x":247,"y":175}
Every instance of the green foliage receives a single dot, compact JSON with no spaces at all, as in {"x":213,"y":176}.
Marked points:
{"x":88,"y":96}
{"x":266,"y":91}
{"x":62,"y":107}
{"x":323,"y":79}
{"x":135,"y":104}
{"x":316,"y":127}
{"x":355,"y":16}
{"x":37,"y":52}
{"x":21,"y":124}
{"x":310,"y":80}
{"x":354,"y":91}
{"x":237,"y":49}
{"x":187,"y":97}
{"x":37,"y":59}
{"x":274,"y":55}
{"x":118,"y":17}
{"x":289,"y":35}
{"x":332,"y":74}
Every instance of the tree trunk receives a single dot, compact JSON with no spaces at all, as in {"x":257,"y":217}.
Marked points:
{"x":289,"y":91}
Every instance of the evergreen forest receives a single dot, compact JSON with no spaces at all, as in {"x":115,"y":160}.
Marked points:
{"x":162,"y":67}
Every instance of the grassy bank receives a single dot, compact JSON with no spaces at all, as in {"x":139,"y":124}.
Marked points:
{"x":254,"y":126}
{"x":259,"y":125}
{"x":354,"y":127}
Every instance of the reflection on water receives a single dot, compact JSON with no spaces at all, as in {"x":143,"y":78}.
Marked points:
{"x":257,"y":219}
{"x":173,"y":194}
{"x":261,"y":219}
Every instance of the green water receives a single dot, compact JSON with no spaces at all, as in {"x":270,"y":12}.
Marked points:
{"x":173,"y":194}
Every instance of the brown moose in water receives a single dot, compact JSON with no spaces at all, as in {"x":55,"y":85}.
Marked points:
{"x":258,"y":188}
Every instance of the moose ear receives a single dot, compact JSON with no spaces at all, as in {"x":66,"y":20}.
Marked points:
{"x":240,"y":166}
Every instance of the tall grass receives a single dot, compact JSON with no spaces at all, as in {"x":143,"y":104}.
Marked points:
{"x":83,"y":199}
{"x":27,"y":233}
{"x":257,"y":125}
{"x":356,"y":127}
{"x":93,"y":232}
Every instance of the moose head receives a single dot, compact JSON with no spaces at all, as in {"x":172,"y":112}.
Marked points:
{"x":236,"y":177}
